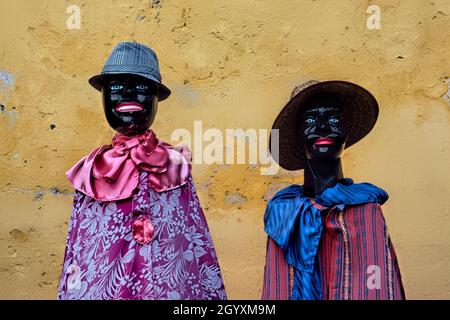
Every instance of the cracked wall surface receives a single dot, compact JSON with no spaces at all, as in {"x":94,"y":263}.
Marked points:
{"x":231,"y":64}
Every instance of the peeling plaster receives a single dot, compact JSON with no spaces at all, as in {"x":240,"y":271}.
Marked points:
{"x":38,"y":194}
{"x":12,"y":116}
{"x":6,"y":83}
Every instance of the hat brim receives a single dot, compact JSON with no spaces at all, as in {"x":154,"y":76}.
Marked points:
{"x":361,"y":113}
{"x":98,"y":82}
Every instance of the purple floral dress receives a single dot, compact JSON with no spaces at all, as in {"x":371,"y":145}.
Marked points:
{"x":103,"y":260}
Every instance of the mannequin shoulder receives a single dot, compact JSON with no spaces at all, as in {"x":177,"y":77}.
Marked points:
{"x":288,"y":194}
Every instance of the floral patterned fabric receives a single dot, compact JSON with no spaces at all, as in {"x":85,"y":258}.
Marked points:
{"x":103,"y":261}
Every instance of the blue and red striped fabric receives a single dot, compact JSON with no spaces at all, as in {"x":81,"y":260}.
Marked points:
{"x":356,"y":258}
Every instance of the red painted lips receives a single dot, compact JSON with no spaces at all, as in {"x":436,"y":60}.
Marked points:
{"x":323,"y":142}
{"x":129,"y":107}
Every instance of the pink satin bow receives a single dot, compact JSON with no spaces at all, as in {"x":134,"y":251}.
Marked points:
{"x":143,"y":230}
{"x":111,"y":172}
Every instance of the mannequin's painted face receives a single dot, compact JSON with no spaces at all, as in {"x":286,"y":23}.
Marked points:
{"x":130,"y":103}
{"x":322,"y":128}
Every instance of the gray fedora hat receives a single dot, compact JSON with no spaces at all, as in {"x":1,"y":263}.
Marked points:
{"x":132,"y":58}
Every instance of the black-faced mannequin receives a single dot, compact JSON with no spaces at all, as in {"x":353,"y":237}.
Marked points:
{"x":323,"y":134}
{"x":130,"y":103}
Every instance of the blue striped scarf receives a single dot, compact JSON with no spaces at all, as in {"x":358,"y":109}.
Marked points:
{"x":296,"y":225}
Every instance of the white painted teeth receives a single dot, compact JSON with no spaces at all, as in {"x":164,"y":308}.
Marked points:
{"x":129,"y":108}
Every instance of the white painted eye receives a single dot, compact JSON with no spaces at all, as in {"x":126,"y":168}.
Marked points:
{"x":333,"y":120}
{"x":116,"y":87}
{"x":141,"y":87}
{"x":310,"y":121}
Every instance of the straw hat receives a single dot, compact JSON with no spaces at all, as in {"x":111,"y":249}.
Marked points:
{"x":360,"y":112}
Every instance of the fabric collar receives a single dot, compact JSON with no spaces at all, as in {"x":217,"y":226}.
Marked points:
{"x":296,"y":225}
{"x":111,"y":172}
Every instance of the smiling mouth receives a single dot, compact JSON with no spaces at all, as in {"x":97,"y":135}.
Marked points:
{"x":129,"y":107}
{"x":323,"y":142}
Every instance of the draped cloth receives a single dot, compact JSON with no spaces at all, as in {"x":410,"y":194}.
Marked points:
{"x":111,"y":172}
{"x":295,"y":226}
{"x":153,"y":244}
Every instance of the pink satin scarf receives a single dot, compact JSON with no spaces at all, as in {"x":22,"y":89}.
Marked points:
{"x":111,"y":172}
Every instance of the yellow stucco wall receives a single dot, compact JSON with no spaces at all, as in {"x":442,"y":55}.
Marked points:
{"x":231,"y":64}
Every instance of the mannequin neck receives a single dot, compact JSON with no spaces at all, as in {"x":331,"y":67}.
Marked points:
{"x":320,"y":176}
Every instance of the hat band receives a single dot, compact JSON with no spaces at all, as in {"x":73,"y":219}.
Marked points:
{"x":131,"y":69}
